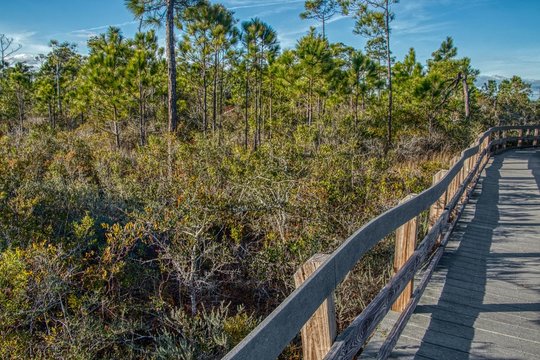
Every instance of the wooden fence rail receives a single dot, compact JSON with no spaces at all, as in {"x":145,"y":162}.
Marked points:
{"x":448,"y":196}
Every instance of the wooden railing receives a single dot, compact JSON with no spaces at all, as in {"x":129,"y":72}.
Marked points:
{"x":310,"y":306}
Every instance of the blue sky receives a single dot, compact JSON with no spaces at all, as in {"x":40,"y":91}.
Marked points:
{"x":500,"y":36}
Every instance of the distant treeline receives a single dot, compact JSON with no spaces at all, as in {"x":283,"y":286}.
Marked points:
{"x":155,"y":202}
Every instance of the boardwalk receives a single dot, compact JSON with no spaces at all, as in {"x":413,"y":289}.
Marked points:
{"x":483,"y":301}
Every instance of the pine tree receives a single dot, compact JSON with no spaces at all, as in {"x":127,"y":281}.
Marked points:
{"x":107,"y":63}
{"x":322,"y":10}
{"x":156,"y":12}
{"x":373,"y":19}
{"x":261,"y":46}
{"x":315,"y":63}
{"x":363,"y":73}
{"x":19,"y":88}
{"x":141,"y":71}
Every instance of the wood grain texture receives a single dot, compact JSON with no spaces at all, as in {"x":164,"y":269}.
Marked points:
{"x":404,"y":247}
{"x":319,"y":332}
{"x":437,"y":208}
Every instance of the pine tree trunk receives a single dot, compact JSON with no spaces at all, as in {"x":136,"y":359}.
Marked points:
{"x":363,"y":102}
{"x":257,"y":102}
{"x":310,"y":95}
{"x":270,"y":108}
{"x":171,"y":67}
{"x":58,"y":89}
{"x":214,"y":92}
{"x":389,"y":74}
{"x":21,"y":114}
{"x":466,"y":98}
{"x":116,"y":130}
{"x":319,"y":107}
{"x":141,"y":115}
{"x":246,"y":113}
{"x":356,"y":101}
{"x":169,"y":159}
{"x":51,"y":121}
{"x":205,"y":92}
{"x":222,"y":79}
{"x":356,"y":111}
{"x":261,"y":99}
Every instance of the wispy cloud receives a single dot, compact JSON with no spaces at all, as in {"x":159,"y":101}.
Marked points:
{"x":415,"y":27}
{"x":274,"y":11}
{"x":235,"y":5}
{"x":103,"y":27}
{"x":33,"y":43}
{"x":92,"y":31}
{"x":28,"y":40}
{"x":30,"y":45}
{"x":289,"y":38}
{"x":415,"y":18}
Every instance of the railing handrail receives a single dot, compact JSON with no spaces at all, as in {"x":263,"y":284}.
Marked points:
{"x":276,"y":331}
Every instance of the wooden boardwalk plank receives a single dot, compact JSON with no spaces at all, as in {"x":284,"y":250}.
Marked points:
{"x":483,"y":301}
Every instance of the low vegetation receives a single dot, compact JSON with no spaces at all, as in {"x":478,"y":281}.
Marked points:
{"x":122,"y":236}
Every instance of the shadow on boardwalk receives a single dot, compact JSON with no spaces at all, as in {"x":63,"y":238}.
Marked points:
{"x":480,"y":277}
{"x":478,"y":242}
{"x":534,"y":166}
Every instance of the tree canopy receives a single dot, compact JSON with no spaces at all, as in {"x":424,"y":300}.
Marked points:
{"x":155,"y":201}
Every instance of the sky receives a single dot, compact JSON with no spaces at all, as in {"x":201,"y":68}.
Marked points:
{"x":500,"y":36}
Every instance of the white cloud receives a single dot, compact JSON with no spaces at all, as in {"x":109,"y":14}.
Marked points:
{"x":248,"y":4}
{"x":30,"y":45}
{"x":288,"y":38}
{"x":93,"y":31}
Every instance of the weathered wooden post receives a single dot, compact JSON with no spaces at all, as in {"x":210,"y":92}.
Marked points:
{"x":319,"y":333}
{"x":436,"y":210}
{"x":404,"y":248}
{"x":457,"y":178}
{"x":535,"y":141}
{"x":467,"y":166}
{"x":452,"y":186}
{"x":487,"y":155}
{"x":479,"y":157}
{"x":463,"y":172}
{"x":528,"y":134}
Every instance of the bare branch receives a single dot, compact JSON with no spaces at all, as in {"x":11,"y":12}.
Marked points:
{"x":6,"y":48}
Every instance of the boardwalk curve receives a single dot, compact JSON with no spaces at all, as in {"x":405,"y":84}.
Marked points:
{"x":483,"y":301}
{"x":446,"y":201}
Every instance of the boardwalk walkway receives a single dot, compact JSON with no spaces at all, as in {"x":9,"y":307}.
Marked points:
{"x":483,"y":301}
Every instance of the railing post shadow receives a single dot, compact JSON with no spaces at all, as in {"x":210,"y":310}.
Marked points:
{"x":319,"y":333}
